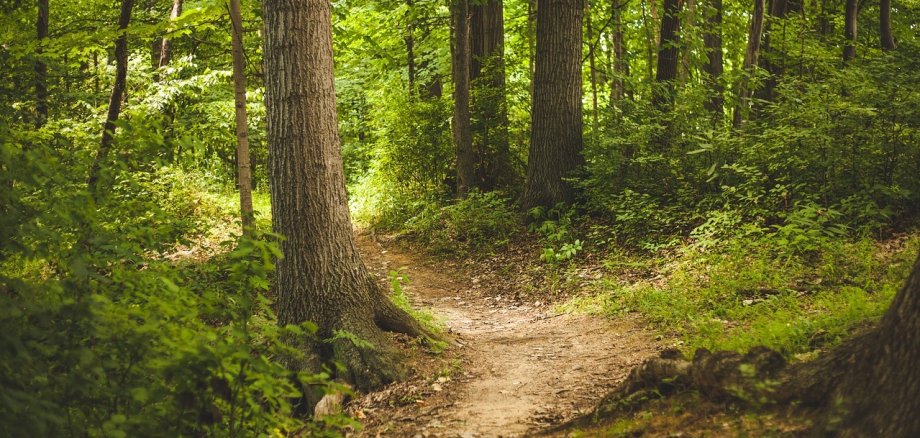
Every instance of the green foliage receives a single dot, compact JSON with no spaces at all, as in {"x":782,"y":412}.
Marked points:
{"x":749,"y":291}
{"x":555,"y":227}
{"x":477,"y":222}
{"x":107,"y":331}
{"x":431,"y":322}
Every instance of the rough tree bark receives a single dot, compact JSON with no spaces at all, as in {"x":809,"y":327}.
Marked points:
{"x":41,"y":69}
{"x":750,"y":61}
{"x":489,"y":105}
{"x":868,"y":386}
{"x":712,"y":39}
{"x":165,"y":52}
{"x":668,"y":55}
{"x":850,"y":29}
{"x":244,"y":172}
{"x":887,"y":39}
{"x":556,"y":133}
{"x":118,"y":93}
{"x":460,"y":70}
{"x":321,"y":278}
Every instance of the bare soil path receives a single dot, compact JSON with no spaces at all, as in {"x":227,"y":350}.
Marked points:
{"x":519,"y":368}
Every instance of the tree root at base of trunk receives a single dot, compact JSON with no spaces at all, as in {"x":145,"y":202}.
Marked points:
{"x":762,"y":379}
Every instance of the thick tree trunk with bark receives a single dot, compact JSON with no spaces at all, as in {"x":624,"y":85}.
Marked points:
{"x":115,"y":100}
{"x":868,"y":386}
{"x":460,"y":70}
{"x":556,"y":133}
{"x":887,"y":39}
{"x":165,"y":53}
{"x":321,"y":278}
{"x":668,"y":55}
{"x":489,"y":105}
{"x":244,"y":172}
{"x":712,"y":39}
{"x":41,"y":69}
{"x":750,"y":60}
{"x":849,"y":30}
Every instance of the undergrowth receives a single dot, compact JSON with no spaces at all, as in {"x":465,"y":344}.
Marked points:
{"x":754,"y":291}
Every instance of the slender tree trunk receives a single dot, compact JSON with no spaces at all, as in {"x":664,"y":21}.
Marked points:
{"x":592,"y":63}
{"x":410,"y":46}
{"x":887,"y":40}
{"x":688,"y":28}
{"x":488,"y":101}
{"x":713,"y":41}
{"x":41,"y":69}
{"x":118,"y":93}
{"x":165,"y":52}
{"x":463,"y":141}
{"x":668,"y":55}
{"x":750,"y":61}
{"x":556,"y":135}
{"x":849,"y":30}
{"x":321,"y":277}
{"x":531,"y":42}
{"x":242,"y":126}
{"x":649,"y":39}
{"x":825,"y":23}
{"x":620,"y":63}
{"x":771,"y":60}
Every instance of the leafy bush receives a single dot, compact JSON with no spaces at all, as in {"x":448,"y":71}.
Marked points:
{"x":479,"y":221}
{"x":102,"y":337}
{"x":555,"y":226}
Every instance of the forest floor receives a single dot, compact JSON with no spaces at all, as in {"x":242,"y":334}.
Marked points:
{"x":514,"y":368}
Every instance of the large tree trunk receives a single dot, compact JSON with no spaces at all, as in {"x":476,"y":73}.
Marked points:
{"x":668,"y":55}
{"x":460,"y":63}
{"x":244,"y":179}
{"x":556,"y":133}
{"x":713,"y":41}
{"x":849,"y":30}
{"x":868,"y":386}
{"x":489,"y":105}
{"x":321,"y":278}
{"x":750,"y":60}
{"x":887,"y":39}
{"x":880,"y":388}
{"x":118,"y":93}
{"x":41,"y":69}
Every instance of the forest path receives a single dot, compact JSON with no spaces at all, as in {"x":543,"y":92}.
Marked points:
{"x":521,"y":368}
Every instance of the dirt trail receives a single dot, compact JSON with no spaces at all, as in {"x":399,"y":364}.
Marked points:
{"x":522,"y":368}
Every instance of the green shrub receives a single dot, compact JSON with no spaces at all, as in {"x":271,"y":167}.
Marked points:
{"x":477,"y":222}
